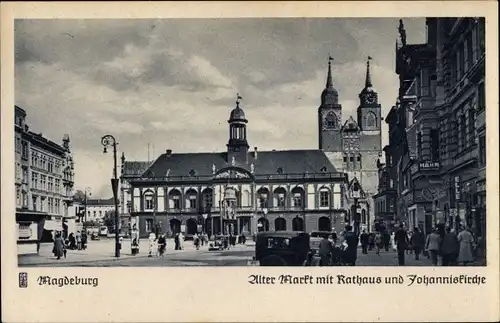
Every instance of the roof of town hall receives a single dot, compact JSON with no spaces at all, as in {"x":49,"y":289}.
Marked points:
{"x":266,"y":163}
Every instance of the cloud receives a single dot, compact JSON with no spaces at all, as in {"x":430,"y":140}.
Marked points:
{"x":173,"y":85}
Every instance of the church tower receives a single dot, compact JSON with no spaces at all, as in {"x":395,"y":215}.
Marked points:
{"x":330,"y":116}
{"x":237,"y":146}
{"x":369,"y":110}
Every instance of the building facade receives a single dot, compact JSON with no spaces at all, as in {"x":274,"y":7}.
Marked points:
{"x":354,"y":146}
{"x":97,"y":209}
{"x":44,"y":183}
{"x":436,"y":154}
{"x":238,"y":191}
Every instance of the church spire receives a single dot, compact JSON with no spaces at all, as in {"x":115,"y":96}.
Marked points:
{"x":368,"y":81}
{"x":329,"y":83}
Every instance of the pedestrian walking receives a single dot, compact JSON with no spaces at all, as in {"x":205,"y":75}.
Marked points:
{"x":151,"y":244}
{"x":176,"y":242}
{"x":351,"y":252}
{"x":84,"y":240}
{"x":417,"y":241}
{"x":162,"y":244}
{"x":324,"y":251}
{"x":196,"y":241}
{"x":379,"y":243}
{"x":432,"y":245}
{"x":409,"y":249}
{"x":58,"y":246}
{"x":387,"y":239}
{"x":181,"y":241}
{"x":134,"y":238}
{"x":449,"y":248}
{"x":371,"y":241}
{"x":401,"y":243}
{"x":364,"y":242}
{"x":466,"y":241}
{"x":78,"y":240}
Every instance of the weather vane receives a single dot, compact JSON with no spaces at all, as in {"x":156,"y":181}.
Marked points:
{"x":238,"y":98}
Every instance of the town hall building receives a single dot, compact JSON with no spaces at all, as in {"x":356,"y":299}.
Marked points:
{"x":243,"y":191}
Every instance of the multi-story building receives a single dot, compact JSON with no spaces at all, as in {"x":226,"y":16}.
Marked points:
{"x":461,"y":106}
{"x":98,"y":208}
{"x":355,"y":146}
{"x":436,"y":129}
{"x":237,"y":191}
{"x":44,"y":182}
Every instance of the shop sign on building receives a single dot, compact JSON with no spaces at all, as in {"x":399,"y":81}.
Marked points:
{"x":429,"y":165}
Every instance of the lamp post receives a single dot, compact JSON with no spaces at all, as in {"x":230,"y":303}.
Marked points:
{"x":205,"y":216}
{"x":88,"y":192}
{"x":106,"y":141}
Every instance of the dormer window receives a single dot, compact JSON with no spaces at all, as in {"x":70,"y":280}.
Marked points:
{"x":279,"y":170}
{"x":192,"y":173}
{"x":323,"y":169}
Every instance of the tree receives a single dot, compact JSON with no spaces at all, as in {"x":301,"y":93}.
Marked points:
{"x":79,"y":196}
{"x":109,"y":219}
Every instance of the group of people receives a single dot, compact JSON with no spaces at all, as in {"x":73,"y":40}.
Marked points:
{"x":76,"y":241}
{"x":158,"y":244}
{"x":336,"y":250}
{"x":444,"y":243}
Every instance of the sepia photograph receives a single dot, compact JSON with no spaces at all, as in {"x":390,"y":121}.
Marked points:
{"x":250,"y":142}
{"x":192,"y":161}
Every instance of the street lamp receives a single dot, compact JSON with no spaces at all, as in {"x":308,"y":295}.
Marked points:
{"x":106,"y":141}
{"x":88,"y":192}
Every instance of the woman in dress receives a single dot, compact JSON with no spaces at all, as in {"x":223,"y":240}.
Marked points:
{"x":466,"y":242}
{"x":58,"y":246}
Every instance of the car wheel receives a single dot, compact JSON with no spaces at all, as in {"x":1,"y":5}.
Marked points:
{"x":273,"y":261}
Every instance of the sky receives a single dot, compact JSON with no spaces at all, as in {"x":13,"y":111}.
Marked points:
{"x":171,"y":83}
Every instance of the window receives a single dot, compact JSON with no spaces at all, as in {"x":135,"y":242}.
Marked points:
{"x":471,"y":126}
{"x":297,"y":199}
{"x":461,"y":62}
{"x":18,"y":145}
{"x":324,"y":198}
{"x":25,"y":150}
{"x":470,"y":58}
{"x":363,"y":216}
{"x":192,"y":173}
{"x":323,"y":169}
{"x":462,"y":131}
{"x":149,"y":200}
{"x":149,"y":225}
{"x":359,"y":162}
{"x":50,"y":186}
{"x":434,"y":145}
{"x":207,"y":199}
{"x":419,"y":143}
{"x":263,"y":200}
{"x":44,"y":182}
{"x":279,"y":170}
{"x":481,"y":98}
{"x":35,"y":203}
{"x":331,"y":121}
{"x":482,"y":150}
{"x":192,"y":201}
{"x":34,"y":180}
{"x":42,"y":204}
{"x":176,"y":202}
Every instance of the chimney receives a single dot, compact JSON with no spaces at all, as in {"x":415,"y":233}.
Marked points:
{"x":255,"y":152}
{"x":169,"y":152}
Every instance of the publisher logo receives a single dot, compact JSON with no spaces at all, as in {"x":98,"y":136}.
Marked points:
{"x":23,"y":280}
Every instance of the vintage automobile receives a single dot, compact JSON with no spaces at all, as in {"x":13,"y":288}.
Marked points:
{"x":281,"y":248}
{"x":316,"y":237}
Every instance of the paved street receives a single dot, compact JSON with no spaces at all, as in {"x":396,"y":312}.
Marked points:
{"x":101,"y":254}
